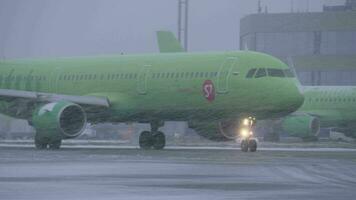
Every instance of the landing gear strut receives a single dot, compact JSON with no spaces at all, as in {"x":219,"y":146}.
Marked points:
{"x":248,"y":142}
{"x":153,"y":139}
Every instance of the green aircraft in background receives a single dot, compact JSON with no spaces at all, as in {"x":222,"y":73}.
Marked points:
{"x":324,"y":106}
{"x":219,"y":94}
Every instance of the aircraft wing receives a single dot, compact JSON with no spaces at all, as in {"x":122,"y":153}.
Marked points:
{"x":51,"y":97}
{"x":168,"y":43}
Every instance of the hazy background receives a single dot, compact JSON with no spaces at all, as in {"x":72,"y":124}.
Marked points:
{"x":42,"y":28}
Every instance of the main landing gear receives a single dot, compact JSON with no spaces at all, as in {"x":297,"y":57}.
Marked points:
{"x":46,"y":142}
{"x":153,"y":139}
{"x":248,"y":142}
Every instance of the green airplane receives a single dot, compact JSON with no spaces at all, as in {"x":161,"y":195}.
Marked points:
{"x":324,"y":106}
{"x":220,"y":94}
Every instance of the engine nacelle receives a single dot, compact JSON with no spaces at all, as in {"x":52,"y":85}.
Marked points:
{"x":65,"y":119}
{"x":303,"y":126}
{"x":215,"y":130}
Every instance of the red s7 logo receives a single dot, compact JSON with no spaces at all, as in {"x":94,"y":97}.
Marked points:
{"x":209,"y":90}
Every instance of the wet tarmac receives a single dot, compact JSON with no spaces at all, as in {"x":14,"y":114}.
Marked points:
{"x":97,"y":173}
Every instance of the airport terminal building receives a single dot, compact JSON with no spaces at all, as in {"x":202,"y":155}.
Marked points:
{"x":322,"y":45}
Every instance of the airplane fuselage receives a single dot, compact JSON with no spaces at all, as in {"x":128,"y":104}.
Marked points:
{"x":333,"y":105}
{"x":175,"y":86}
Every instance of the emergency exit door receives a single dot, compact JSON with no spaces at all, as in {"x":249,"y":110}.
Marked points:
{"x":142,"y":79}
{"x":224,"y":74}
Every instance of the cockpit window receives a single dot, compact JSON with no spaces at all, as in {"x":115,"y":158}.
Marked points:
{"x":251,"y":73}
{"x":261,"y":73}
{"x":275,"y":72}
{"x":289,"y":73}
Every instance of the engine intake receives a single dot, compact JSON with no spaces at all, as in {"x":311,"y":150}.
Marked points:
{"x":64,"y":118}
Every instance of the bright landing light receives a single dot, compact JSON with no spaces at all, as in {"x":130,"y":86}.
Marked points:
{"x":246,"y":122}
{"x":244,"y":133}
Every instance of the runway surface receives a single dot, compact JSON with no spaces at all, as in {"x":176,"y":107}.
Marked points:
{"x":176,"y":173}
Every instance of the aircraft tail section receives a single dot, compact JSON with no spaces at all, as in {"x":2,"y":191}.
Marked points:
{"x":168,"y":43}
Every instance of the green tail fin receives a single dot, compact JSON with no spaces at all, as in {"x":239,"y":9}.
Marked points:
{"x":168,"y":43}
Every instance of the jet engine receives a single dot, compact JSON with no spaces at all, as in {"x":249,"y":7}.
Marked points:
{"x":303,"y":126}
{"x":64,"y":119}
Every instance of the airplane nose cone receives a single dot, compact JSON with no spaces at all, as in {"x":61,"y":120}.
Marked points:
{"x":295,"y":99}
{"x":299,"y":99}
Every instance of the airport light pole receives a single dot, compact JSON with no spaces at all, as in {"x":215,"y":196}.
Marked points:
{"x":183,"y":7}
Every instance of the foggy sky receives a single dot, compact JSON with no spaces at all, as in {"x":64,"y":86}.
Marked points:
{"x":49,"y":28}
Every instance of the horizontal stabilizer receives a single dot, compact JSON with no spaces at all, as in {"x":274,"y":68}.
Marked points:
{"x":168,"y":43}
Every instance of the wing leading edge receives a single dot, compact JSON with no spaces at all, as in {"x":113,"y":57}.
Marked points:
{"x":50,"y":97}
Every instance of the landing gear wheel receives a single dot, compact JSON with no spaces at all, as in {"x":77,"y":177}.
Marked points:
{"x":145,"y":140}
{"x":40,"y":143}
{"x":244,"y":145}
{"x":252,"y":145}
{"x":159,"y":140}
{"x":55,"y":144}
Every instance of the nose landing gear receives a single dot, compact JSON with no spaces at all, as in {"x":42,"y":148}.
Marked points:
{"x":248,"y":142}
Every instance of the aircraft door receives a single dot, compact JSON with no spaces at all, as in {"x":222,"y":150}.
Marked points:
{"x":224,"y":74}
{"x":53,"y":80}
{"x":142,"y":79}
